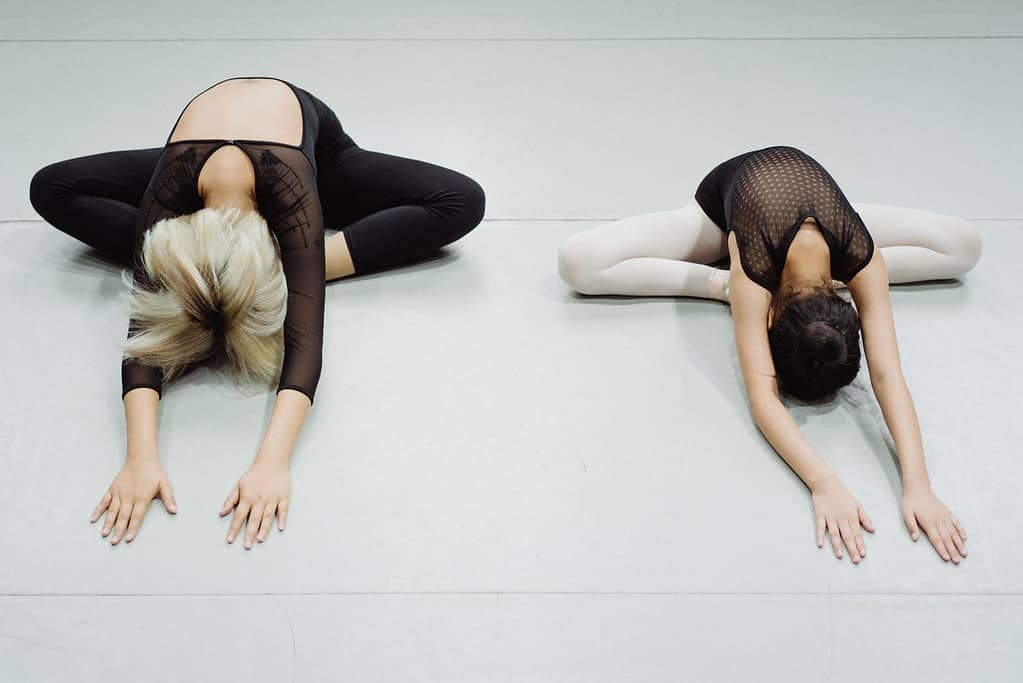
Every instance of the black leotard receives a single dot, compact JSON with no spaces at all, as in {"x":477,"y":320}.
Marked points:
{"x":392,"y":210}
{"x":764,"y":196}
{"x":286,"y":196}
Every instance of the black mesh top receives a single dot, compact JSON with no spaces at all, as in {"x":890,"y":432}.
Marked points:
{"x":764,"y":197}
{"x":286,"y":196}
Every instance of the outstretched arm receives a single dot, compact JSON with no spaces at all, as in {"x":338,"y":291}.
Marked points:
{"x":836,"y":511}
{"x":142,"y":478}
{"x":264,"y":491}
{"x":921,"y":508}
{"x":295,"y":217}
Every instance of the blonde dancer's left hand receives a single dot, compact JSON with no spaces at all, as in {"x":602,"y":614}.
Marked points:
{"x":260,"y":495}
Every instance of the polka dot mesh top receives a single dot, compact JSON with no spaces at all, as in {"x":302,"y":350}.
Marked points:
{"x":766,"y":195}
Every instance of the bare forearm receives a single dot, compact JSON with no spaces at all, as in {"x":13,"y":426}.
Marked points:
{"x":900,"y":415}
{"x":783,"y":434}
{"x":289,"y":414}
{"x":140,"y":415}
{"x":870,"y":293}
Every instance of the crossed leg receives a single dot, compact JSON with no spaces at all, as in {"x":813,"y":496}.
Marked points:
{"x":95,"y":198}
{"x":656,"y":254}
{"x":391,"y":210}
{"x":920,"y":245}
{"x":664,"y":254}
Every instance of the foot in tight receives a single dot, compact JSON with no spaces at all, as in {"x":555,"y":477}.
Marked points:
{"x":717,"y":285}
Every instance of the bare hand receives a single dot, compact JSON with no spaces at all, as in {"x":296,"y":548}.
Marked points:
{"x":260,"y":494}
{"x":838,"y":513}
{"x":140,"y":481}
{"x":921,"y":509}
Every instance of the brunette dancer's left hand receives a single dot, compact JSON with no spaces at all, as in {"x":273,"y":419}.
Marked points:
{"x":921,"y":509}
{"x":262,"y":493}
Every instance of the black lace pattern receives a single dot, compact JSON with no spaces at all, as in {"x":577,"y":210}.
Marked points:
{"x":286,"y":196}
{"x":764,"y":197}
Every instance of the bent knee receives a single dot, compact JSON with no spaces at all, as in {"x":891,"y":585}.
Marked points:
{"x":462,"y":204}
{"x":965,"y":245}
{"x":576,"y":266}
{"x":45,"y":188}
{"x":474,"y":201}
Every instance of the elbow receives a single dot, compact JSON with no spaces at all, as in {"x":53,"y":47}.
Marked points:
{"x":301,"y":366}
{"x":315,"y":371}
{"x":760,"y":415}
{"x":883,"y":380}
{"x":763,"y":405}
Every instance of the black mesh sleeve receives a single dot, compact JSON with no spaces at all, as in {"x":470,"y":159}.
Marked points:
{"x":287,"y":198}
{"x":289,"y":201}
{"x":135,"y":374}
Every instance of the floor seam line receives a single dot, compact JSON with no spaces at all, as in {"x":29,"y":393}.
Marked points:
{"x":1004,"y":219}
{"x":521,"y":39}
{"x":528,"y":594}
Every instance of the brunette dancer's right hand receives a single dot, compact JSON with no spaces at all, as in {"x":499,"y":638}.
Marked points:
{"x":838,"y":513}
{"x":140,"y":481}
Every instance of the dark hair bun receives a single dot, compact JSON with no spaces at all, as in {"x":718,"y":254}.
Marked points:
{"x":822,"y":349}
{"x":815,"y":345}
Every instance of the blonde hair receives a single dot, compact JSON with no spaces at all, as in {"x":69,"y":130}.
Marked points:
{"x":217,"y":291}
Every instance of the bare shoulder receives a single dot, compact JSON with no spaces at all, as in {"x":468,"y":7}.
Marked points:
{"x":869,"y":287}
{"x":749,"y":300}
{"x":751,"y":305}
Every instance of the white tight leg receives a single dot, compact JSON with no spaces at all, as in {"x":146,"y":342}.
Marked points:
{"x":919,"y":245}
{"x":664,"y":254}
{"x":656,"y":254}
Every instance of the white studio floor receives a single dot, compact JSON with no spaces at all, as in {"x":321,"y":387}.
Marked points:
{"x":502,"y":481}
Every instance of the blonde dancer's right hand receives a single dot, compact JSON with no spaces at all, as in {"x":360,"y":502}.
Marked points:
{"x":140,"y":481}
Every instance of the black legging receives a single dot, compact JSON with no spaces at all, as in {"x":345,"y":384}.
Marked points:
{"x":392,"y":210}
